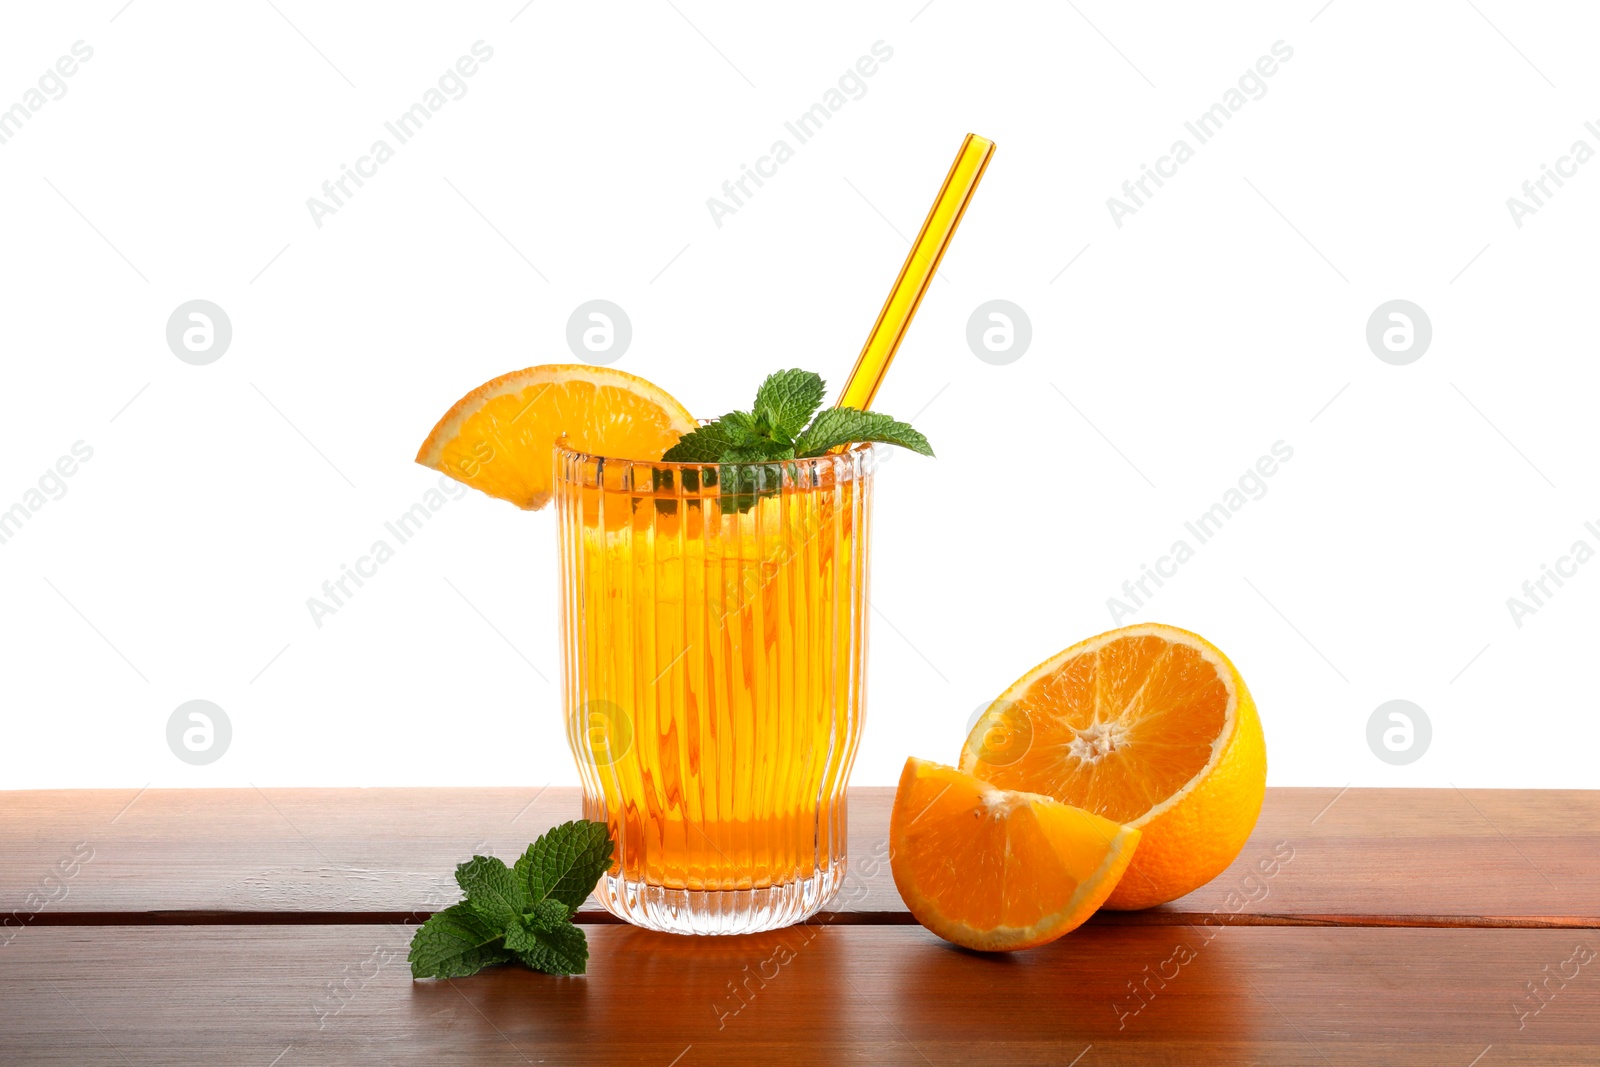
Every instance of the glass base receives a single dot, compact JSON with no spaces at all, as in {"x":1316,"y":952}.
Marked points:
{"x":730,"y":911}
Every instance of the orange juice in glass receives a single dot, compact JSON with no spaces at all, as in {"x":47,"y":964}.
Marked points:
{"x":714,"y":640}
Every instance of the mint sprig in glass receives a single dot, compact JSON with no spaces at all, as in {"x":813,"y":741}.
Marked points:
{"x":784,"y":424}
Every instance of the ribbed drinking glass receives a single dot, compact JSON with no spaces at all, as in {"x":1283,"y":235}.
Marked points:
{"x":714,"y":636}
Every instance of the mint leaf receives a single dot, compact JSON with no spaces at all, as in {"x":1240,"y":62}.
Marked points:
{"x":788,"y":399}
{"x":565,"y":863}
{"x":756,"y":438}
{"x":549,"y":914}
{"x":520,"y":913}
{"x":740,"y":427}
{"x":844,"y":426}
{"x":758,"y":452}
{"x":492,"y":890}
{"x":703,"y":445}
{"x":545,"y":917}
{"x":777,"y":430}
{"x":455,"y":943}
{"x":547,"y":940}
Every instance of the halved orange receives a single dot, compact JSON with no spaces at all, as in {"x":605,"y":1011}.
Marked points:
{"x":995,"y":869}
{"x":501,"y":437}
{"x":1148,"y":725}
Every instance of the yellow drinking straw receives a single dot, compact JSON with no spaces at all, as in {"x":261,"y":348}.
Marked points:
{"x":917,"y":274}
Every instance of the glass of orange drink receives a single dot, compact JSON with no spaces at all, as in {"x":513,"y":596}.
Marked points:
{"x":714,"y":631}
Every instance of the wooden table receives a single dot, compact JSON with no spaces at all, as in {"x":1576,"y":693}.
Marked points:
{"x":270,"y":928}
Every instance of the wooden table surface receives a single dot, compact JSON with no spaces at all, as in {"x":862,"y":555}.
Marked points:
{"x":270,"y":927}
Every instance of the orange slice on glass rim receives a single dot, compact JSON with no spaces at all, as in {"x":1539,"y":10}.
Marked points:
{"x":501,"y":437}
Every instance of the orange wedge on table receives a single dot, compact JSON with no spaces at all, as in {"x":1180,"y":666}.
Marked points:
{"x":501,"y":437}
{"x":1148,"y":725}
{"x":995,"y":869}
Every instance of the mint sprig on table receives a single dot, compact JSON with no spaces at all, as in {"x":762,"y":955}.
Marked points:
{"x":781,"y":426}
{"x":523,"y":912}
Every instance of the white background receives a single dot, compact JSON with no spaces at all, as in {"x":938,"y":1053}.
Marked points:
{"x":1227,"y":314}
